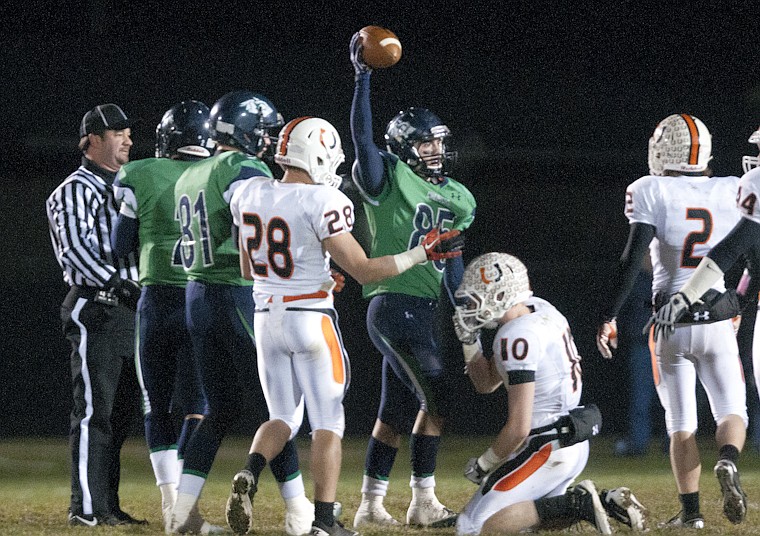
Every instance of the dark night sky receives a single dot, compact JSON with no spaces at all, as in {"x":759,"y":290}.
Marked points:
{"x":551,"y":105}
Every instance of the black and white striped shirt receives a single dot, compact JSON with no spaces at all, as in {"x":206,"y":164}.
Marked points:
{"x":81,"y":212}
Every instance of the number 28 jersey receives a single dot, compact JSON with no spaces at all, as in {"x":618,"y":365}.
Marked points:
{"x":690,"y":215}
{"x":539,"y":347}
{"x":282,"y":226}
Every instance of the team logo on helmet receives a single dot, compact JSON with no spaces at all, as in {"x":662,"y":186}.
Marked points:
{"x":255,"y":105}
{"x":493,"y":275}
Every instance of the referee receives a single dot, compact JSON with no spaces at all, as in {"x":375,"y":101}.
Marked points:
{"x":98,"y":317}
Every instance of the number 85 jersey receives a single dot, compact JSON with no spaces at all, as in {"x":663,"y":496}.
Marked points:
{"x":282,"y":226}
{"x":690,"y":215}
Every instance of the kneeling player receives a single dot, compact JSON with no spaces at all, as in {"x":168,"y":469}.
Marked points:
{"x":524,"y":476}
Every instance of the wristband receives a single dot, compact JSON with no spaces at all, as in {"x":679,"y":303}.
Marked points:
{"x":488,"y":460}
{"x":471,"y":351}
{"x":701,"y":280}
{"x":407,"y":259}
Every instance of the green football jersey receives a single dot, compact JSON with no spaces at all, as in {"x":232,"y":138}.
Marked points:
{"x":208,"y":251}
{"x":151,"y":182}
{"x":404,"y":212}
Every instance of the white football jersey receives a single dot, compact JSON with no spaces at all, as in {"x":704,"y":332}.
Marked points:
{"x":282,"y":226}
{"x":541,"y":342}
{"x":690,"y":215}
{"x":749,"y":192}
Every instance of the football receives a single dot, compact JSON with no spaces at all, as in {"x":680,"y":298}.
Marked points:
{"x":381,"y":47}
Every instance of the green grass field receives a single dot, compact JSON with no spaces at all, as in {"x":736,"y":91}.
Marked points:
{"x":34,"y":486}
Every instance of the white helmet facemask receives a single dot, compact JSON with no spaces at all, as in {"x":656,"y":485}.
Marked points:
{"x":491,"y":285}
{"x":681,"y":143}
{"x":751,"y":162}
{"x":311,"y":144}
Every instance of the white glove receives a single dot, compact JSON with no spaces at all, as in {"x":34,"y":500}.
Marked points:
{"x":664,"y":320}
{"x":606,"y":338}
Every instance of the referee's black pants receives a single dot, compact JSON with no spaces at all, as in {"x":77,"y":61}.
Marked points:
{"x":106,"y":397}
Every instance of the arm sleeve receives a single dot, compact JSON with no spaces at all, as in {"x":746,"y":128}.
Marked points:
{"x":639,"y":237}
{"x":452,"y":277}
{"x":124,"y":236}
{"x":370,"y":170}
{"x":744,"y":235}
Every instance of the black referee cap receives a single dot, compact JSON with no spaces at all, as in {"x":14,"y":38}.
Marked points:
{"x":103,"y":117}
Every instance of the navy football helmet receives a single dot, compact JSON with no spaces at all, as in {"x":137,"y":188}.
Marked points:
{"x":184,"y":129}
{"x":244,"y":119}
{"x":418,"y":125}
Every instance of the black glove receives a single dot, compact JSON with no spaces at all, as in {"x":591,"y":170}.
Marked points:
{"x":355,"y":48}
{"x":126,"y":290}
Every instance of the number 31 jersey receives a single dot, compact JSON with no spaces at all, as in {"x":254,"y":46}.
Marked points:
{"x":690,"y":215}
{"x":282,"y":226}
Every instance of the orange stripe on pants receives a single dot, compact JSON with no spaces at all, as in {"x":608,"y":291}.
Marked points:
{"x":533,"y":464}
{"x":335,"y":351}
{"x":653,"y":356}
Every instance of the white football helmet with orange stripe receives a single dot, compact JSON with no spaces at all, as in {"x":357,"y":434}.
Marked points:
{"x":682,"y":143}
{"x":311,"y":144}
{"x":492,"y":284}
{"x":750,"y":162}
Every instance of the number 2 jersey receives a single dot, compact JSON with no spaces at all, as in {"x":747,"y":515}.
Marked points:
{"x":408,"y":208}
{"x":208,"y":250}
{"x":282,"y":226}
{"x":690,"y":215}
{"x":538,"y":347}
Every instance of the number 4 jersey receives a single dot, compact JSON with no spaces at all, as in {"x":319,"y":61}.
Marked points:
{"x":282,"y":226}
{"x":690,"y":215}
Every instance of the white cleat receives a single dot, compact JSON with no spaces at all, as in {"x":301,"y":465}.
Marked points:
{"x":623,"y":506}
{"x":239,"y":510}
{"x":372,"y":512}
{"x":734,"y":498}
{"x":299,"y":515}
{"x":430,"y":513}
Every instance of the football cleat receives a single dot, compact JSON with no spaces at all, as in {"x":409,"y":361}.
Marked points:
{"x":678,"y":522}
{"x":239,"y":510}
{"x":430,"y":513}
{"x":337,"y":529}
{"x":372,"y":511}
{"x":621,"y":505}
{"x":299,"y":515}
{"x":589,"y":506}
{"x":734,"y":498}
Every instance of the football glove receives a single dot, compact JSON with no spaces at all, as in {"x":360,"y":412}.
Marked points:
{"x":355,"y":49}
{"x":464,"y":335}
{"x":606,"y":338}
{"x":126,"y":290}
{"x":439,"y":246}
{"x":339,"y":279}
{"x":477,"y":468}
{"x":474,"y":472}
{"x":664,"y":320}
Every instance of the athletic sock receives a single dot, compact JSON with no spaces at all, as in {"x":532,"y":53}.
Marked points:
{"x":323,"y":513}
{"x":729,"y":452}
{"x":423,"y":450}
{"x":690,"y":503}
{"x":255,"y":464}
